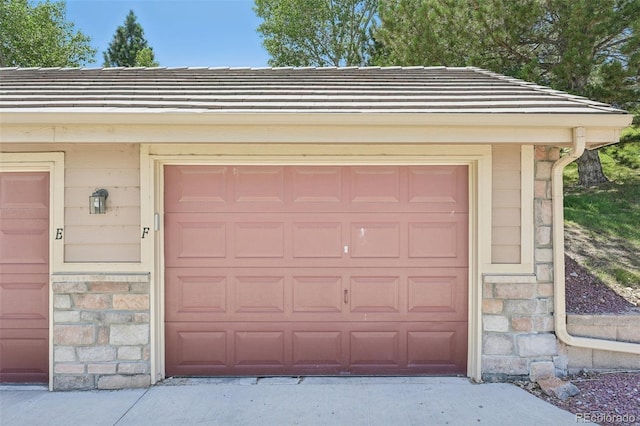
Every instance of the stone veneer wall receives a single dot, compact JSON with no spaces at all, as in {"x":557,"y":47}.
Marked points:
{"x":623,"y":328}
{"x":101,"y":331}
{"x":517,"y":310}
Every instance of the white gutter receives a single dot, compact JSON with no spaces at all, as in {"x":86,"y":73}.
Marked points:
{"x":560,"y":314}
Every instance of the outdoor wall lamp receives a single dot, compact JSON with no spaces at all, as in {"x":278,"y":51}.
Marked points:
{"x":98,"y":201}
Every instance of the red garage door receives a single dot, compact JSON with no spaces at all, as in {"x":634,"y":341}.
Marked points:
{"x":316,"y":270}
{"x":24,"y":277}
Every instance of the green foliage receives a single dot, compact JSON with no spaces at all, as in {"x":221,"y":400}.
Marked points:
{"x":316,"y":32}
{"x":585,"y":47}
{"x":129,"y":48}
{"x":609,"y":215}
{"x":40,"y":36}
{"x":144,"y":58}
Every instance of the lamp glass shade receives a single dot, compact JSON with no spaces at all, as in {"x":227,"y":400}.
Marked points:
{"x":98,"y":202}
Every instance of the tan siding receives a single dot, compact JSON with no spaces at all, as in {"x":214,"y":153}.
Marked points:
{"x":114,"y":236}
{"x":506,"y":204}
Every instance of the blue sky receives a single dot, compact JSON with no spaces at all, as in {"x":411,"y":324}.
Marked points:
{"x":197,"y":33}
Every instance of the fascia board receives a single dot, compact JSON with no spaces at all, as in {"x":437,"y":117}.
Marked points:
{"x":137,"y":116}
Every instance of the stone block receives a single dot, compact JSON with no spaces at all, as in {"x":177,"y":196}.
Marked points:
{"x":543,"y":212}
{"x":527,"y":307}
{"x":543,"y":235}
{"x":61,"y":301}
{"x":540,"y":152}
{"x":91,"y":316}
{"x":142,"y":317}
{"x":595,"y":331}
{"x":62,"y":287}
{"x":64,"y":354}
{"x":530,"y":345}
{"x":68,"y":368}
{"x":146,"y":352}
{"x":139,"y":287}
{"x":507,"y":365}
{"x":117,"y":317}
{"x":129,"y":334}
{"x":132,"y":368}
{"x":522,"y":324}
{"x":131,"y":302}
{"x":544,"y":255}
{"x":66,"y":316}
{"x":495,"y":323}
{"x":492,"y":306}
{"x":92,"y":301}
{"x":109,"y":287}
{"x":543,"y":170}
{"x":129,"y":352}
{"x":514,"y":291}
{"x":487,"y":290}
{"x":96,"y":353}
{"x":73,"y":335}
{"x":497,"y":344}
{"x":553,"y":154}
{"x":101,"y":368}
{"x":540,"y":189}
{"x":541,"y":370}
{"x":554,"y":386}
{"x":629,"y":333}
{"x":545,"y":289}
{"x":66,"y":383}
{"x":124,"y":382}
{"x":579,"y":358}
{"x":608,"y":359}
{"x":544,"y":272}
{"x":543,"y":323}
{"x":103,"y":335}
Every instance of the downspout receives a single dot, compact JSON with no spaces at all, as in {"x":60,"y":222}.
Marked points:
{"x":560,"y":314}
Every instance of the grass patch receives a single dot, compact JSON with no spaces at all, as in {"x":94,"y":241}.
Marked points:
{"x":609,"y":217}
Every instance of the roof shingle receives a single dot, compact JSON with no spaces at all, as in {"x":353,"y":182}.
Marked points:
{"x":332,"y":90}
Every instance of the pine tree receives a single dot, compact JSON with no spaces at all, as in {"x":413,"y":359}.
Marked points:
{"x":129,"y":47}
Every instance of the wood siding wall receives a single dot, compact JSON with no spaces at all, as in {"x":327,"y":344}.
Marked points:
{"x":505,"y":232}
{"x":114,"y":236}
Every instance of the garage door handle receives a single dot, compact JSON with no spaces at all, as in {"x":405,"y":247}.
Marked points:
{"x":346,"y":296}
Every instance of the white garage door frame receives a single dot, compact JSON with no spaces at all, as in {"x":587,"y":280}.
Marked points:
{"x":52,"y":163}
{"x":476,"y":157}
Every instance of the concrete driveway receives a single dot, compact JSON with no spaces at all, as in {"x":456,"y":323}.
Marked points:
{"x":285,"y":401}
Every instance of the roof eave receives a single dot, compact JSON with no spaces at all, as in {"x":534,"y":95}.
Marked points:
{"x":142,"y":117}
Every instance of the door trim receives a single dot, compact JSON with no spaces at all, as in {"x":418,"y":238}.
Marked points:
{"x":476,"y":157}
{"x":53,"y":163}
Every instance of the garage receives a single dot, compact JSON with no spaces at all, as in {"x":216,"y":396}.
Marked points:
{"x":291,"y":270}
{"x":24,"y":277}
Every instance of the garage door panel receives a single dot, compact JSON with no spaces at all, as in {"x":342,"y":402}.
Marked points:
{"x":195,"y":188}
{"x":194,"y":238}
{"x":259,"y":185}
{"x":374,"y":294}
{"x":317,"y":294}
{"x":253,"y":347}
{"x":317,"y":185}
{"x":375,"y":348}
{"x":317,"y":348}
{"x":443,"y":186}
{"x":440,"y":294}
{"x":317,"y":240}
{"x":195,"y":294}
{"x":437,"y":345}
{"x":24,"y":241}
{"x":259,"y":294}
{"x":24,"y":195}
{"x":375,"y":239}
{"x":25,"y":355}
{"x":259,"y":239}
{"x":375,"y":184}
